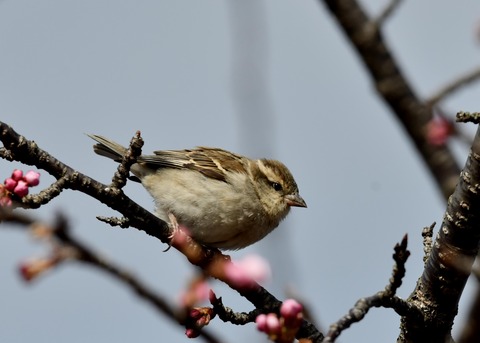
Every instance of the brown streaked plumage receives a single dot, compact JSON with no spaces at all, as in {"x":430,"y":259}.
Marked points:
{"x":226,"y":200}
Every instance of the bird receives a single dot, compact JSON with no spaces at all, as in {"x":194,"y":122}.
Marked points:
{"x":224,"y":200}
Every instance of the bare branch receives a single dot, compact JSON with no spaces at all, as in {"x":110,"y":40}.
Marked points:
{"x":454,"y":86}
{"x":395,"y":90}
{"x":115,"y":221}
{"x":471,"y":329}
{"x":386,"y":12}
{"x":228,"y":315}
{"x":449,"y":263}
{"x":468,"y":117}
{"x":385,"y":298}
{"x":22,"y":150}
{"x":134,"y":150}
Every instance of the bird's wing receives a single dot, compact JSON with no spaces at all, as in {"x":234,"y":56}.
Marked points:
{"x":211,"y":162}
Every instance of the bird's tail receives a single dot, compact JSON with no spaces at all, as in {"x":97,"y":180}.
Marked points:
{"x":108,"y":148}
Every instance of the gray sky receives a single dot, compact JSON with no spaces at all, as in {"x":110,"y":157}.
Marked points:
{"x":280,"y":80}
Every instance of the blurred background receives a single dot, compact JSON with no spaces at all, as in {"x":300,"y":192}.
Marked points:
{"x":264,"y":78}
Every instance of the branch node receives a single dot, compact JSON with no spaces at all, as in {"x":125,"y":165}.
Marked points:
{"x":427,"y":234}
{"x":386,"y":12}
{"x":226,"y":314}
{"x":468,"y":117}
{"x":385,"y":298}
{"x":115,"y":221}
{"x":134,"y":151}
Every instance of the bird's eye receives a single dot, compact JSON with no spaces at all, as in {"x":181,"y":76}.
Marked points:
{"x":276,"y":186}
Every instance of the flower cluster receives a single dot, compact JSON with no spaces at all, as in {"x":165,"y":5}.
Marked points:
{"x":284,"y":327}
{"x":198,"y":317}
{"x":17,"y":185}
{"x":198,"y":291}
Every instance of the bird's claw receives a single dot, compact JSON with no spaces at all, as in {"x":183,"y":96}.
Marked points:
{"x":178,"y":234}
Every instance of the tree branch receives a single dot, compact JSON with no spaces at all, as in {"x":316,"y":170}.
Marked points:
{"x":454,"y":86}
{"x":449,"y":263}
{"x":395,"y":90}
{"x":385,"y":298}
{"x":387,"y":12}
{"x":212,"y":261}
{"x":471,"y":330}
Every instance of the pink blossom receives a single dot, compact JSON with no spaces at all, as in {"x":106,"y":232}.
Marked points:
{"x":21,"y":189}
{"x":290,"y":308}
{"x":192,"y":333}
{"x":198,"y":291}
{"x":5,"y":201}
{"x":261,"y":322}
{"x":439,"y":130}
{"x":268,"y":323}
{"x":32,"y":178}
{"x":273,"y":323}
{"x":197,"y":318}
{"x":17,"y":174}
{"x":245,"y":272}
{"x":10,"y":184}
{"x":202,"y":291}
{"x":201,"y":316}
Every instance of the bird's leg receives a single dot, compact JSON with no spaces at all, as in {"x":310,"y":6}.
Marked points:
{"x":179,"y":234}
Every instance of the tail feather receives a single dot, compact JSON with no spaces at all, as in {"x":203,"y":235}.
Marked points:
{"x":108,"y":148}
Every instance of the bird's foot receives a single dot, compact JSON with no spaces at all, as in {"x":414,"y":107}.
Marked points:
{"x":178,"y":233}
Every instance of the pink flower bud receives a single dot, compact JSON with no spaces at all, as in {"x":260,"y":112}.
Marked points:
{"x":202,"y":291}
{"x":236,"y":275}
{"x":31,"y":269}
{"x":32,"y":178}
{"x":195,"y":313}
{"x":17,"y":174}
{"x":439,"y":130}
{"x":200,"y":316}
{"x":199,"y":291}
{"x":10,"y":184}
{"x":5,"y":201}
{"x":261,"y":322}
{"x":290,"y":309}
{"x":21,"y":189}
{"x":245,"y":272}
{"x":273,"y":323}
{"x":192,"y":333}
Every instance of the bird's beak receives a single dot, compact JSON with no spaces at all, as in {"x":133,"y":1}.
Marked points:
{"x":295,"y":200}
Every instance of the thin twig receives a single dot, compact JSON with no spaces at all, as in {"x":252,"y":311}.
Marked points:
{"x":385,"y":298}
{"x":386,"y":12}
{"x":134,"y":151}
{"x":468,"y":117}
{"x":228,"y":315}
{"x":454,"y":86}
{"x":115,"y":221}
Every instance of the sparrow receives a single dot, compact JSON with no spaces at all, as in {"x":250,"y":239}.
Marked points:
{"x":224,"y":200}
